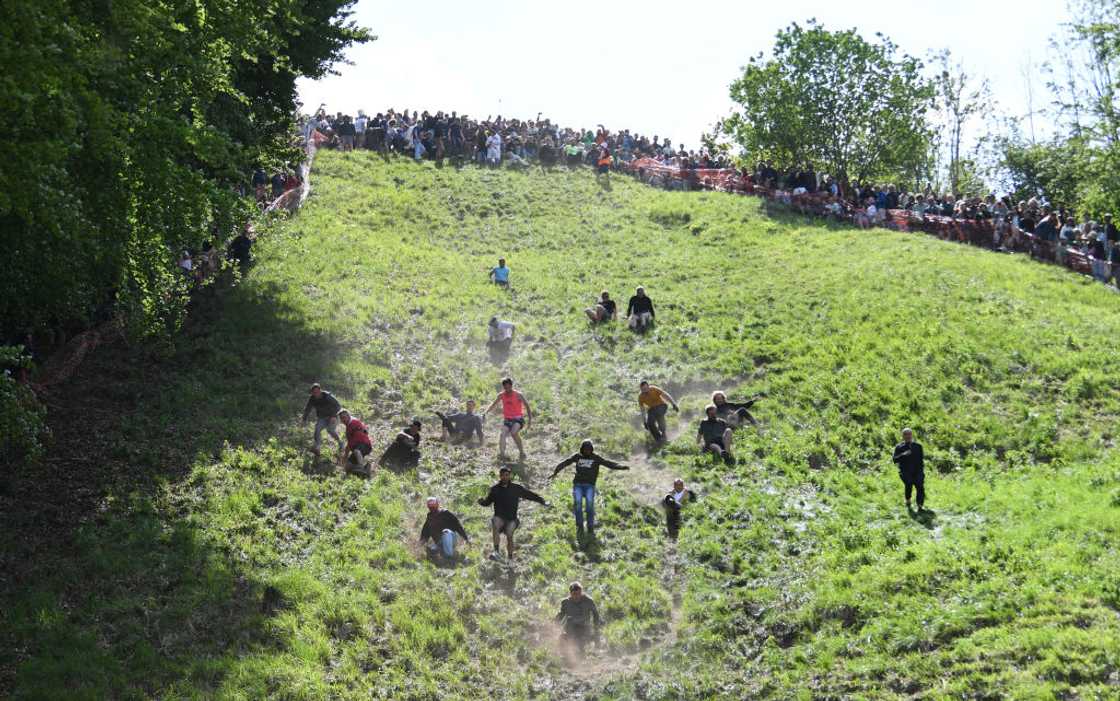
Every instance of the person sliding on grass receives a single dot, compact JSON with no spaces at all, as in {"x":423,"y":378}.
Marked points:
{"x":358,"y":447}
{"x":673,"y":502}
{"x":654,"y":403}
{"x":640,"y":310}
{"x":715,"y":435}
{"x":517,"y":416}
{"x":583,"y":484}
{"x":326,"y":415}
{"x":911,"y":467}
{"x":499,"y":335}
{"x":440,"y":530}
{"x":461,"y":427}
{"x":404,"y":451}
{"x":578,"y":614}
{"x":506,"y":496}
{"x":734,"y":413}
{"x":604,"y":310}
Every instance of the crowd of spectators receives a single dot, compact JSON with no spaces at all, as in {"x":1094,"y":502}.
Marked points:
{"x":494,"y":141}
{"x":1031,"y":226}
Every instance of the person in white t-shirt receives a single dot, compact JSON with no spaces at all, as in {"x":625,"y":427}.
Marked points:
{"x":499,"y":336}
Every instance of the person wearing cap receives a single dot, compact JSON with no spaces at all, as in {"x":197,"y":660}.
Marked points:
{"x":517,"y":416}
{"x":604,"y":310}
{"x":441,"y":530}
{"x":404,"y":451}
{"x":506,"y":496}
{"x":499,"y":275}
{"x":673,"y":502}
{"x":714,"y":435}
{"x":461,"y":426}
{"x":326,"y":415}
{"x":587,"y":464}
{"x":910,"y":458}
{"x":579,"y":616}
{"x":358,"y":446}
{"x":654,"y":403}
{"x":640,"y":310}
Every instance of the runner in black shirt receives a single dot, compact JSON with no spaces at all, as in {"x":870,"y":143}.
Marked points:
{"x":505,"y":496}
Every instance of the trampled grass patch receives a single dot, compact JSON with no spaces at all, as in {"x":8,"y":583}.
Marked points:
{"x":249,"y":571}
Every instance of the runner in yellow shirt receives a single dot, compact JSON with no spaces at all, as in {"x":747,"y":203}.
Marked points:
{"x":654,"y":404}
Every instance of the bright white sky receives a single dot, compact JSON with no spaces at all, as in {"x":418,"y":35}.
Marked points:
{"x":653,"y":66}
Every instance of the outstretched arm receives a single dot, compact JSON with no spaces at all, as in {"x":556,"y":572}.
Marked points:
{"x":564,"y":463}
{"x":528,"y":410}
{"x":669,"y":398}
{"x":492,"y":405}
{"x":532,"y":496}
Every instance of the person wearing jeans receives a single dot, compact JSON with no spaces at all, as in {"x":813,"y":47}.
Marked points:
{"x":583,"y":484}
{"x":441,"y":530}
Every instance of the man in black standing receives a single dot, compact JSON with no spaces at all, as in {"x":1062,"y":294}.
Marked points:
{"x":909,"y":458}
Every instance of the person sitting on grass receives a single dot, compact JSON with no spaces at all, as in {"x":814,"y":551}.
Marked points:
{"x":587,"y":464}
{"x":326,"y":415}
{"x":640,"y":310}
{"x":654,"y":403}
{"x":441,"y":531}
{"x":506,"y":496}
{"x":673,"y":502}
{"x":517,"y":416}
{"x":461,"y":427}
{"x":910,"y":459}
{"x":714,"y":435}
{"x":604,"y":310}
{"x":734,"y":413}
{"x":499,"y":275}
{"x":579,"y":616}
{"x":358,"y":446}
{"x":404,"y":452}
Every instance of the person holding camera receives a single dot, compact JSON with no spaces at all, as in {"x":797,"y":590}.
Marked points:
{"x":909,"y":457}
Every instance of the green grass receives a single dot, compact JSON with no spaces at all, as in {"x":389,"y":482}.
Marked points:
{"x":797,"y":575}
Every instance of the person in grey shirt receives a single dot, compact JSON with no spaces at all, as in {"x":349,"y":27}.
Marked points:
{"x":462,"y":426}
{"x":326,"y":415}
{"x":579,"y":616}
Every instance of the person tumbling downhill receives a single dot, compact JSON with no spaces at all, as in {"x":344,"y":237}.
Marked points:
{"x":640,"y":310}
{"x":673,"y":502}
{"x":404,"y":452}
{"x":579,"y":616}
{"x":587,"y":464}
{"x":441,"y":530}
{"x":734,"y":413}
{"x":654,"y":403}
{"x":462,"y":426}
{"x":358,"y":446}
{"x":604,"y":310}
{"x":517,"y":416}
{"x":714,"y":435}
{"x":506,"y":496}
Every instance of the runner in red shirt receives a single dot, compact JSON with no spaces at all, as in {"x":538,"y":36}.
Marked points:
{"x":516,"y":416}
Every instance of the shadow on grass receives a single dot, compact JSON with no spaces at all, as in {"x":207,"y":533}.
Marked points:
{"x":927,"y":518}
{"x":104,"y":591}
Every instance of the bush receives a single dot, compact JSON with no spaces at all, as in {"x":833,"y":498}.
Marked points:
{"x":23,"y":426}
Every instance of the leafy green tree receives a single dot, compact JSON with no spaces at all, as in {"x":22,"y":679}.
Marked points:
{"x":130,"y":127}
{"x":853,"y":108}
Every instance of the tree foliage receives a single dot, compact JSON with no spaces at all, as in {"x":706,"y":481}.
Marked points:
{"x":130,"y":125}
{"x":853,"y":108}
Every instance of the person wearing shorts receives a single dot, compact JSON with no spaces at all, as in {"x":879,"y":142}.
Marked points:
{"x":506,"y":496}
{"x":714,"y":435}
{"x":326,"y":415}
{"x":654,"y":403}
{"x":517,"y":416}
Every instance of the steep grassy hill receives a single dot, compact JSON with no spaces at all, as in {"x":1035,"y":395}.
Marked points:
{"x":216,"y":559}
